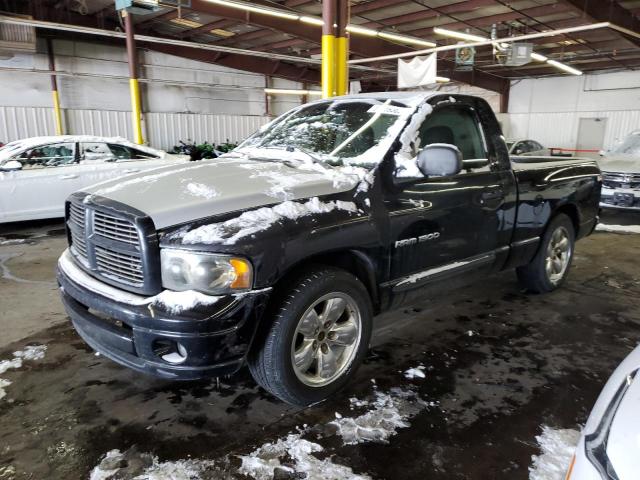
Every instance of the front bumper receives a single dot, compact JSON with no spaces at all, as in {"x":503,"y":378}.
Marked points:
{"x":132,"y":331}
{"x":623,"y":199}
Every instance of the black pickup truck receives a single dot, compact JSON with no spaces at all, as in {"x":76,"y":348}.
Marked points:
{"x":279,"y":254}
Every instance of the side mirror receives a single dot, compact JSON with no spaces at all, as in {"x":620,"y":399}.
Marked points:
{"x":440,"y":160}
{"x":11,"y":166}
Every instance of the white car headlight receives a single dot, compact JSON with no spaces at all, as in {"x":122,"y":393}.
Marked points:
{"x":204,"y":272}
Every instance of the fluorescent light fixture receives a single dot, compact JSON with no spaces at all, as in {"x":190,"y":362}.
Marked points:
{"x":185,"y":22}
{"x":537,"y":57}
{"x":250,"y":8}
{"x":566,"y":68}
{"x":311,"y":20}
{"x":459,"y":35}
{"x":285,"y":91}
{"x":395,"y":37}
{"x":404,"y":39}
{"x":362,"y":30}
{"x":222,"y":33}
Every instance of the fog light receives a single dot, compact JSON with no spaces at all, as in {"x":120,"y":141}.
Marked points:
{"x":170,"y":351}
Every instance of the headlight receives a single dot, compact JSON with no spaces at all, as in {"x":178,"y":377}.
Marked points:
{"x":204,"y":272}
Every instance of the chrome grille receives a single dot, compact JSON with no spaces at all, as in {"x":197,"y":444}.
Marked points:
{"x":621,"y":180}
{"x":108,"y":245}
{"x":77,"y":229}
{"x":77,"y":215}
{"x":79,"y":245}
{"x":121,"y":266}
{"x":114,"y":228}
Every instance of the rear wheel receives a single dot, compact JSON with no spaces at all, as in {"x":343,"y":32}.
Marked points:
{"x":319,"y":337}
{"x":550,"y":267}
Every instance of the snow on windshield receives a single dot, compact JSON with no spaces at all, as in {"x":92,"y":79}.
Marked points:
{"x":344,"y":131}
{"x":630,"y":146}
{"x":406,"y":160}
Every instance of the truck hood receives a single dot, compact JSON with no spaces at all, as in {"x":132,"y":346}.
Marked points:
{"x":178,"y":194}
{"x":620,"y":164}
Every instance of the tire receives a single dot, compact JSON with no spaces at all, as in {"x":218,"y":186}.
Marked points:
{"x":300,"y":330}
{"x":550,"y":267}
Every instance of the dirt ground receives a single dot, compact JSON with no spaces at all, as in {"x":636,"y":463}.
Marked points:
{"x":499,"y":364}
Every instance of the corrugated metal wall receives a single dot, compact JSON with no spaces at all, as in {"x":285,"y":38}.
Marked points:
{"x":561,"y":129}
{"x":163,"y":130}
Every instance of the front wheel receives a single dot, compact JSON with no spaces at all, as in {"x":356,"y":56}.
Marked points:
{"x":550,"y":267}
{"x":318,"y":338}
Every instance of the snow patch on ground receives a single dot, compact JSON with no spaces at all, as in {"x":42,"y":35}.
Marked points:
{"x":254,"y":221}
{"x":417,"y":372}
{"x":557,"y":448}
{"x":132,"y":464}
{"x":13,"y":241}
{"x":178,"y":302}
{"x":201,"y":190}
{"x":603,"y":227}
{"x":294,"y":455}
{"x":30,"y":353}
{"x":390,"y":412}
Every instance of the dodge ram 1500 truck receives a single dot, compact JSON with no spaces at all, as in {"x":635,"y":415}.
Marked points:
{"x":278,"y":254}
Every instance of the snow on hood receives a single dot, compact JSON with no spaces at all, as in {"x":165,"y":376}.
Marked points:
{"x":18,"y":146}
{"x":254,"y":221}
{"x":620,"y":163}
{"x":178,"y":194}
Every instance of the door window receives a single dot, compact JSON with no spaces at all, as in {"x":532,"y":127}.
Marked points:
{"x":127,"y":153}
{"x":43,"y":156}
{"x":95,"y":152}
{"x":454,"y":125}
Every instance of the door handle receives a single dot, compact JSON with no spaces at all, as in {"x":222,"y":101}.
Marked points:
{"x":131,"y":170}
{"x":68,"y":177}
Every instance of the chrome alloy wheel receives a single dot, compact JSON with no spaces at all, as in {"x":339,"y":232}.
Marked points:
{"x":558,"y":255}
{"x":326,"y":339}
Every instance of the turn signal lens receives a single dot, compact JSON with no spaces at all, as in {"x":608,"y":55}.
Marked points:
{"x":243,"y":272}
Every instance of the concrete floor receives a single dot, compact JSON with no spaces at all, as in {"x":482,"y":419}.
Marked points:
{"x":530,"y":361}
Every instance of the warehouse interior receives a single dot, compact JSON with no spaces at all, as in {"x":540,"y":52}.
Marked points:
{"x":488,"y":381}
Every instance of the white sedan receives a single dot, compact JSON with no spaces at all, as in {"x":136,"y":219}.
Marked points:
{"x":609,"y":447}
{"x":527,"y":148}
{"x":38,"y":174}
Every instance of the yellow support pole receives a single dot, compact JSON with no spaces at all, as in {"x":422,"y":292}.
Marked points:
{"x":57,"y":112}
{"x":328,"y":66}
{"x":134,"y":87}
{"x":342,"y":70}
{"x":136,"y":111}
{"x":342,"y":48}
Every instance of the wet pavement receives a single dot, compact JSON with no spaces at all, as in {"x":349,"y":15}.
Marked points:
{"x":499,"y":364}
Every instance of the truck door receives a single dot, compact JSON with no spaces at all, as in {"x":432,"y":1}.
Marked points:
{"x":444,"y":230}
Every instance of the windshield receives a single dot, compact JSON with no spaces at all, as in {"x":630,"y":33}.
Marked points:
{"x":629,"y":146}
{"x":338,"y":132}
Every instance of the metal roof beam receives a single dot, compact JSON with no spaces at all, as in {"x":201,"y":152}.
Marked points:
{"x":609,"y":11}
